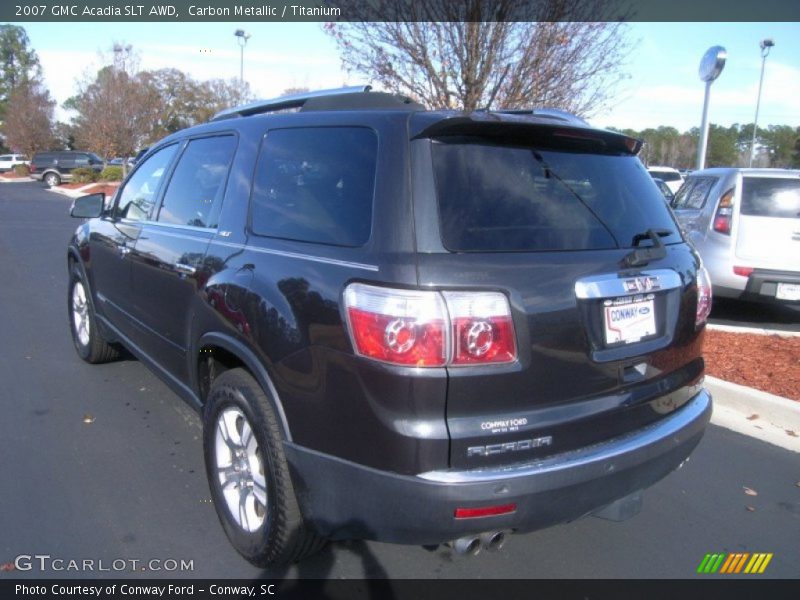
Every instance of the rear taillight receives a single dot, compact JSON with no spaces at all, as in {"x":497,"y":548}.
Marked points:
{"x":481,"y":326}
{"x":703,"y":296}
{"x":724,"y":215}
{"x":430,"y":329}
{"x":743,"y":271}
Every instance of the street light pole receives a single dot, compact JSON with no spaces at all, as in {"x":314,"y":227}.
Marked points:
{"x":765,"y":45}
{"x":242,"y":37}
{"x":711,"y":66}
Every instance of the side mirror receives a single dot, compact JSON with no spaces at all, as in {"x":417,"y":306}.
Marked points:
{"x":88,"y":207}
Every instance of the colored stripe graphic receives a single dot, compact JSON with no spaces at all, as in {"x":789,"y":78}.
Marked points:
{"x":735,"y":562}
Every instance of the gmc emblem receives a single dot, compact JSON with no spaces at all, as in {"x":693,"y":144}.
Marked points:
{"x":642,"y":284}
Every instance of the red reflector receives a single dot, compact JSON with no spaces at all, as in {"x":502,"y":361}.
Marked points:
{"x":485,"y":511}
{"x":743,"y":271}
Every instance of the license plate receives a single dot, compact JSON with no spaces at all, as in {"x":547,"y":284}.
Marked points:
{"x":628,"y":320}
{"x":788,"y":291}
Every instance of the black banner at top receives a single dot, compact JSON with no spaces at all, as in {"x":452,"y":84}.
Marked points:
{"x":396,"y":10}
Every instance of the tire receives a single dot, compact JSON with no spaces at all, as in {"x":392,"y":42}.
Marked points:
{"x":88,"y":341}
{"x":248,"y":474}
{"x":52,"y":179}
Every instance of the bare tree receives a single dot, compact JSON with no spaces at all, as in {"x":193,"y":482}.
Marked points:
{"x":469,"y":53}
{"x":28,"y":126}
{"x":219,"y":94}
{"x":116,"y":109}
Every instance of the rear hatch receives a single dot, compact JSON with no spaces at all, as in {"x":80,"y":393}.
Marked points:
{"x":567,"y":223}
{"x":768,"y":229}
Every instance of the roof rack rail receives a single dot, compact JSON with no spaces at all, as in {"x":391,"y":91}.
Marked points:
{"x":286,"y":102}
{"x":552,"y":113}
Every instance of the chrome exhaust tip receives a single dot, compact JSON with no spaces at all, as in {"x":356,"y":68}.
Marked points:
{"x":492,"y":541}
{"x":469,"y":545}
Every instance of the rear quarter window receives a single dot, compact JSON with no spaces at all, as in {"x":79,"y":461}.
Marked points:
{"x":315,"y":184}
{"x":694,"y":193}
{"x":771,"y":197}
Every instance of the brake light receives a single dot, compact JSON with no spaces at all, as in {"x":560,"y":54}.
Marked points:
{"x":704,"y":296}
{"x":430,"y":329}
{"x":724,"y":215}
{"x":743,"y":271}
{"x":481,"y":326}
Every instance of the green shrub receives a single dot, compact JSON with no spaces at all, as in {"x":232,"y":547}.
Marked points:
{"x":111,"y":174}
{"x":84,"y":175}
{"x":22,"y":170}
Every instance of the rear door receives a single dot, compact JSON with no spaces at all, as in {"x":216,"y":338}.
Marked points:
{"x":768,"y":230}
{"x":553,"y":227}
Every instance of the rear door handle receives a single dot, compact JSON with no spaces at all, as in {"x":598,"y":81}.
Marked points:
{"x":184,"y":268}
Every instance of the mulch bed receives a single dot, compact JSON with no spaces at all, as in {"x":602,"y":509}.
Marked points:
{"x":770,"y":363}
{"x":108,"y":189}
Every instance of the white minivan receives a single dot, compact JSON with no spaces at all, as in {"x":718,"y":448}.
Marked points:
{"x":9,"y":161}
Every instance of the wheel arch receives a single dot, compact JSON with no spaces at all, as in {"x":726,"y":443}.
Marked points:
{"x":249,"y":361}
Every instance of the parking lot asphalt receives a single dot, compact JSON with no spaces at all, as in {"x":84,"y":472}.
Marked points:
{"x":104,"y":463}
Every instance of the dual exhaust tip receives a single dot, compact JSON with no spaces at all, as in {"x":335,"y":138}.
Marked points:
{"x":470,"y":545}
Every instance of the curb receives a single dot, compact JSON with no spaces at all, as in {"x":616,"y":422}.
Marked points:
{"x":72,"y":193}
{"x":754,"y":330}
{"x":16,"y":179}
{"x":770,"y":418}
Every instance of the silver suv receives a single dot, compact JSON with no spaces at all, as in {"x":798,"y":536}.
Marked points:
{"x":746,"y":225}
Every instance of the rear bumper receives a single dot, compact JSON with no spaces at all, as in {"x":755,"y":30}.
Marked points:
{"x":341,"y":499}
{"x":762,"y":285}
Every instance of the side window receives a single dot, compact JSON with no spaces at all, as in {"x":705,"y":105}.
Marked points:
{"x":316,"y":184}
{"x":81,"y":160}
{"x":694,"y":192}
{"x":195,"y":190}
{"x":139,"y":194}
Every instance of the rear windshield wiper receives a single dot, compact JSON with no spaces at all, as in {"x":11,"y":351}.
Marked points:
{"x":641,"y":256}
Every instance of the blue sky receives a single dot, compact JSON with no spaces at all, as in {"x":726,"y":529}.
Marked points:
{"x":663,"y":88}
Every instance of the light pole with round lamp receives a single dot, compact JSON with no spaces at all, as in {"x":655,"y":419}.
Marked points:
{"x":711,"y":66}
{"x":242,"y":37}
{"x":765,"y":48}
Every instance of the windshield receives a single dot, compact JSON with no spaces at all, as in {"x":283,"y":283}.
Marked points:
{"x":495,"y":198}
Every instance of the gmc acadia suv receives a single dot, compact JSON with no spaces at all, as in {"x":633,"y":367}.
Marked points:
{"x":403,"y":325}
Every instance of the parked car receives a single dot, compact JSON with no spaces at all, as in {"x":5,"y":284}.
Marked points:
{"x":746,"y":225}
{"x":9,"y":161}
{"x":665,"y":190}
{"x":56,"y":167}
{"x":672,"y":177}
{"x":403,"y":325}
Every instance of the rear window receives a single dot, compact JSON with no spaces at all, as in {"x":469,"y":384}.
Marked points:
{"x":771,"y":197}
{"x":666,"y":175}
{"x":315,"y":184}
{"x":693,"y":193}
{"x":495,"y":198}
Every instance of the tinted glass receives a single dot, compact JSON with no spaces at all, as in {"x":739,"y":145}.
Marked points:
{"x":316,"y":184}
{"x":693,"y":193}
{"x":666,"y":175}
{"x":770,"y":197}
{"x":501,"y":198}
{"x":195,"y":190}
{"x":137,"y":198}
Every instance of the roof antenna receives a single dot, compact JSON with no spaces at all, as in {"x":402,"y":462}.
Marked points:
{"x":497,"y":88}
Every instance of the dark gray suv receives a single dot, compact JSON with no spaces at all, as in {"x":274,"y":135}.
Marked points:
{"x":56,"y":166}
{"x":403,"y":325}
